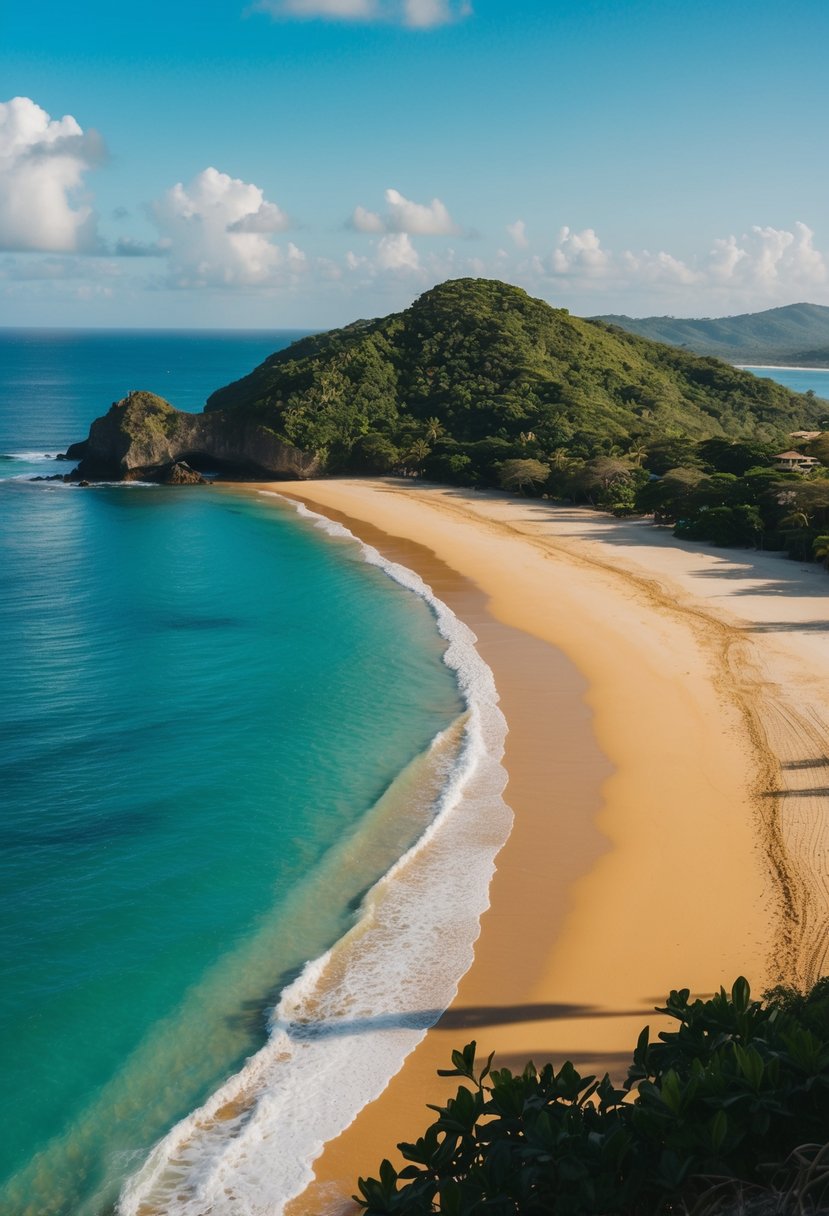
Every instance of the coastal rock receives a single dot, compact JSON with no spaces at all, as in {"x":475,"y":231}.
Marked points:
{"x":180,"y":474}
{"x":142,"y":437}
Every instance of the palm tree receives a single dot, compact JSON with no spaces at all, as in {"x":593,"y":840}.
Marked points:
{"x":416,"y":455}
{"x":434,"y":429}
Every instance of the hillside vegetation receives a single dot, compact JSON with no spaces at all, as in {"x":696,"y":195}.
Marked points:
{"x":797,"y":335}
{"x":476,"y":372}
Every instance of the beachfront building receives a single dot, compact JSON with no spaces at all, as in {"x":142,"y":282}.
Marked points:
{"x":795,"y":462}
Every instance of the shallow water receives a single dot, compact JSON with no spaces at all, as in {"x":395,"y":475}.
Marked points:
{"x":209,"y":728}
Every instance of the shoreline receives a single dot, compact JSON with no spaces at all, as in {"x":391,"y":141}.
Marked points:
{"x":572,"y":964}
{"x":778,"y":367}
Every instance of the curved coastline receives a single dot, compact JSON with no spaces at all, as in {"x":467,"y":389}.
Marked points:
{"x":697,"y":875}
{"x":648,"y":776}
{"x":359,"y":1009}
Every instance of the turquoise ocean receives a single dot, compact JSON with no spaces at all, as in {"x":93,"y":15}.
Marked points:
{"x":798,"y":379}
{"x":213,"y":744}
{"x":223,"y":721}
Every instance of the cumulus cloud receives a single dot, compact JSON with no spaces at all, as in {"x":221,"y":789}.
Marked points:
{"x":580,"y":253}
{"x":42,"y":166}
{"x":518,"y":232}
{"x":366,"y":221}
{"x":768,"y":257}
{"x":405,"y":216}
{"x":764,"y":265}
{"x":396,"y":252}
{"x":414,"y":14}
{"x":759,"y":269}
{"x":217,"y":231}
{"x":268,"y":218}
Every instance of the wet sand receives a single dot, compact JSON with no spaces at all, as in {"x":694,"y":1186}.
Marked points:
{"x":665,"y":757}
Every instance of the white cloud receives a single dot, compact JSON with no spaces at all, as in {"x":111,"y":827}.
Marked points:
{"x":267,"y":218}
{"x":656,"y":267}
{"x":414,"y":14}
{"x":760,"y":268}
{"x":404,"y":215}
{"x":580,"y":253}
{"x":42,"y":167}
{"x":767,"y":258}
{"x":218,"y":230}
{"x":518,"y":232}
{"x":426,"y":14}
{"x":396,"y":252}
{"x":366,"y":221}
{"x":421,"y":219}
{"x":335,"y":10}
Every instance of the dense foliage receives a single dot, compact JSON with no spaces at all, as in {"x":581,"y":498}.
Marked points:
{"x":731,"y":1094}
{"x":797,"y":334}
{"x":731,"y":494}
{"x":477,"y":372}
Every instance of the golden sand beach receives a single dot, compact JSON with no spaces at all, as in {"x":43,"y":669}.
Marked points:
{"x":668,"y":764}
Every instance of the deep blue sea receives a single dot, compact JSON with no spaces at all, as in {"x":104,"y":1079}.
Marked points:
{"x":213,"y":743}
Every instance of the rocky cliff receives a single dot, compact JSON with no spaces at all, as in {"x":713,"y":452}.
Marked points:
{"x":143,"y":437}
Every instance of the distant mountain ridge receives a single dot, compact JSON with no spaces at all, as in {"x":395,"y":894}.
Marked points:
{"x":796,"y":335}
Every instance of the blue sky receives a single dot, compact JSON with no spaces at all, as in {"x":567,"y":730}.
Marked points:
{"x":304,"y":162}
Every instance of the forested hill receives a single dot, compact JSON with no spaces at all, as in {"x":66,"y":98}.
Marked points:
{"x":795,"y":335}
{"x":477,"y":360}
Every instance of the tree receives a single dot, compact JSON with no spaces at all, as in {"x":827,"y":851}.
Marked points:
{"x":637,"y":452}
{"x":672,"y":497}
{"x":820,"y":548}
{"x":522,"y":474}
{"x":416,"y":455}
{"x":375,"y":453}
{"x":664,"y":454}
{"x":739,"y":527}
{"x":726,"y":456}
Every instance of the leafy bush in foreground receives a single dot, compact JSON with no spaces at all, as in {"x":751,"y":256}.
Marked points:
{"x":737,"y":1097}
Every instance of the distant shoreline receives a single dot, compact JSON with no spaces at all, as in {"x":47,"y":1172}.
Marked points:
{"x":778,"y":367}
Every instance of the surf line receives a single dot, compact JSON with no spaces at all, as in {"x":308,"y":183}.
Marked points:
{"x":345,"y":1026}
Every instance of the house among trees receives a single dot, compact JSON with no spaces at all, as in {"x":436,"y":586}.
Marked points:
{"x":795,"y":462}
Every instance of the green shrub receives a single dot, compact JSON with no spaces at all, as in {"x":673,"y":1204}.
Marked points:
{"x":731,"y":1096}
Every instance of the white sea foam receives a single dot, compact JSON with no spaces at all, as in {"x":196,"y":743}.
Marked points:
{"x":777,"y":367}
{"x":344,"y":1027}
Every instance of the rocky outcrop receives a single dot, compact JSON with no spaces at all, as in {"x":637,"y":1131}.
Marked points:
{"x":144,"y":438}
{"x":180,"y":474}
